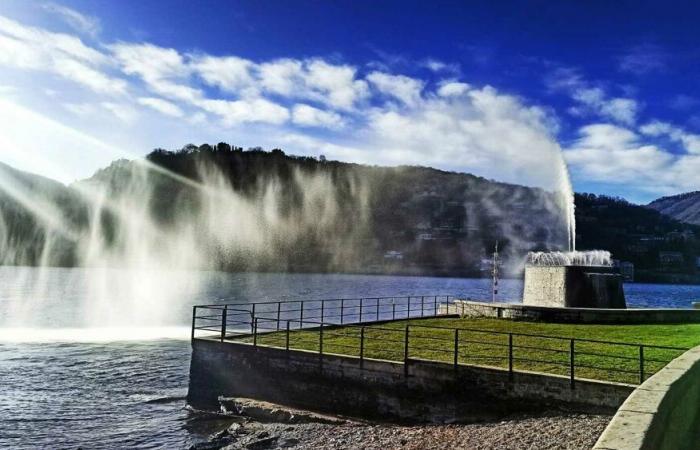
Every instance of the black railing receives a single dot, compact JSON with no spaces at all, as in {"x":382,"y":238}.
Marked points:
{"x":572,"y":357}
{"x":234,"y":319}
{"x":372,"y":328}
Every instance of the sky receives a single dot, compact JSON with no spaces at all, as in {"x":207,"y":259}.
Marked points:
{"x":498,"y":89}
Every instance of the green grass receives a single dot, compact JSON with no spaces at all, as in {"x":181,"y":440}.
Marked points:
{"x":429,"y":339}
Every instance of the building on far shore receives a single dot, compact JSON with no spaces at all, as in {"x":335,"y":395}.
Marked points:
{"x":393,"y":255}
{"x":626,"y":270}
{"x":670,"y":259}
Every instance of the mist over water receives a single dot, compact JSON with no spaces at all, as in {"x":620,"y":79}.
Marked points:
{"x":147,"y":235}
{"x":146,"y":251}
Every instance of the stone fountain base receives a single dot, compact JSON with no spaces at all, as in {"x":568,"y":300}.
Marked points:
{"x":573,"y":286}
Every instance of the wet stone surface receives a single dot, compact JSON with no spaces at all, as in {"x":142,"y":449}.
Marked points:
{"x":546,"y":430}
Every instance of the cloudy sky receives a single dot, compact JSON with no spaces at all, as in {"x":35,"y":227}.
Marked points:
{"x":496,"y":90}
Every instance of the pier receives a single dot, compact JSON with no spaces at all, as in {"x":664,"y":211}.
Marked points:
{"x":367,"y":357}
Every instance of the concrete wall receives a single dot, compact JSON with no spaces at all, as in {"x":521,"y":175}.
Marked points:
{"x":573,"y":286}
{"x":544,"y":286}
{"x":570,"y":315}
{"x":421,"y":391}
{"x":661,"y":414}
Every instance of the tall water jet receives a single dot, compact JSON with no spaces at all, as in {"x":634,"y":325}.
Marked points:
{"x":567,"y":192}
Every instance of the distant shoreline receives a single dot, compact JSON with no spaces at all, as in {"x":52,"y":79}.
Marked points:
{"x":643,"y":277}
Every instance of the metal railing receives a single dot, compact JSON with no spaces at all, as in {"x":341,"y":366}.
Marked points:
{"x":375,"y":328}
{"x":234,"y":319}
{"x":401,"y":342}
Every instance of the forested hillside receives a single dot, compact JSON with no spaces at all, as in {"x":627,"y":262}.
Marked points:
{"x":308,"y":214}
{"x":682,"y":207}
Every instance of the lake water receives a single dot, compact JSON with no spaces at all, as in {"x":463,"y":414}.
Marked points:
{"x":99,"y":358}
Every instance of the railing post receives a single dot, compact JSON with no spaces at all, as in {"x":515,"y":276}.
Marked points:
{"x":255,"y":332}
{"x":320,"y":339}
{"x":342,"y":310}
{"x":252,"y":317}
{"x":510,"y":355}
{"x":641,"y":364}
{"x":456,"y":355}
{"x":194,"y":320}
{"x":323,"y":310}
{"x":362,"y":346}
{"x":286,"y":343}
{"x":279,"y":306}
{"x":408,"y":308}
{"x":435,"y":307}
{"x":377,"y":313}
{"x":405,"y":351}
{"x":301,"y":316}
{"x":361,"y":303}
{"x":572,"y":374}
{"x":223,"y":322}
{"x":393,"y":309}
{"x":422,"y":305}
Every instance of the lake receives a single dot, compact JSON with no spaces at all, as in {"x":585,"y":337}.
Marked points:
{"x":99,"y":358}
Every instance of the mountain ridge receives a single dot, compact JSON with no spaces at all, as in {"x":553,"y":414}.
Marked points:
{"x":683,"y":207}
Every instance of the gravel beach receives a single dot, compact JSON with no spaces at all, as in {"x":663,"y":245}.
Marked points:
{"x":548,"y":430}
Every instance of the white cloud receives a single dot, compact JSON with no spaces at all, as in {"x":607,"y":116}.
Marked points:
{"x":483,"y":131}
{"x":230,"y":73}
{"x":333,"y":85}
{"x":337,"y":83}
{"x":406,"y":89}
{"x":162,"y":106}
{"x":92,"y":78}
{"x":594,"y":100}
{"x":591,"y":99}
{"x":28,"y":48}
{"x":162,"y":69}
{"x":440,"y":66}
{"x":452,"y":88}
{"x":451,"y":125}
{"x":79,"y":22}
{"x":611,"y":154}
{"x":643,"y":59}
{"x":253,"y":110}
{"x":167,"y":73}
{"x":690,"y":141}
{"x":309,"y":116}
{"x":284,"y":77}
{"x":151,"y":62}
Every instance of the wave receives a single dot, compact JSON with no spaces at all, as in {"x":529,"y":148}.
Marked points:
{"x":92,"y":334}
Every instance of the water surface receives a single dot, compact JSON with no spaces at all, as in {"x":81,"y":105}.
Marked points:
{"x":103,"y":365}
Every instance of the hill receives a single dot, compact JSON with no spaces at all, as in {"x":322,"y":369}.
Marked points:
{"x":682,"y":207}
{"x":661,"y":248}
{"x":220,"y":207}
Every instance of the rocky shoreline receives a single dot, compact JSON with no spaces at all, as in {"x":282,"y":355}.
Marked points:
{"x":258,"y":425}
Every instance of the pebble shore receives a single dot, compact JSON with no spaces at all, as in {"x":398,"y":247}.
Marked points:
{"x":549,"y":430}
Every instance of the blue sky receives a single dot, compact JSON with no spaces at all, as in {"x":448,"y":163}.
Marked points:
{"x":500,"y":89}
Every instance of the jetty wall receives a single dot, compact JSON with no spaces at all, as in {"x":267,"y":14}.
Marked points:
{"x":518,"y":311}
{"x":376,"y":389}
{"x":663,"y":413}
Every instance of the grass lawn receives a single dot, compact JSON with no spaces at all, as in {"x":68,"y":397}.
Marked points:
{"x":479,"y":342}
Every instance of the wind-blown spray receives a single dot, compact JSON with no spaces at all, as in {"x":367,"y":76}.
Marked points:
{"x":141,"y":228}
